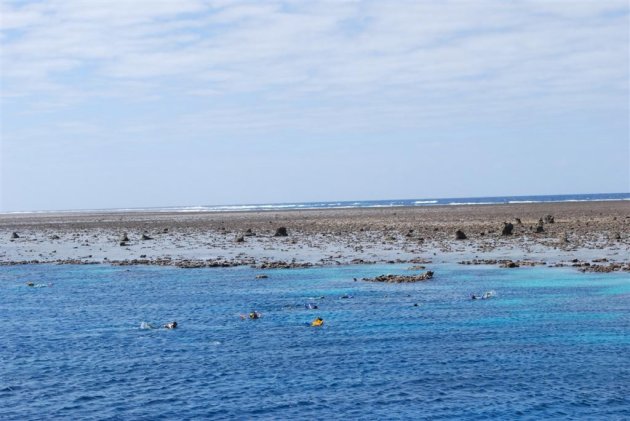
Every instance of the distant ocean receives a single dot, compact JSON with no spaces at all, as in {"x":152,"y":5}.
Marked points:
{"x":358,"y":204}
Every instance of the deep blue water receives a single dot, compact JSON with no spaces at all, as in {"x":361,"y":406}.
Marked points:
{"x":349,"y":204}
{"x":553,"y":344}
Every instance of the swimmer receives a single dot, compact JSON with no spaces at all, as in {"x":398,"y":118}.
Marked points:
{"x":473,"y":297}
{"x":171,"y":325}
{"x":255,"y":315}
{"x":318,"y":322}
{"x":34,"y":285}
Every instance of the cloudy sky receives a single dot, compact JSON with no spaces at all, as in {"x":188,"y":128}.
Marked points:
{"x":117,"y":103}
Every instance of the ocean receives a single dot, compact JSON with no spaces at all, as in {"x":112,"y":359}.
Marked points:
{"x":357,"y":204}
{"x":552,"y":343}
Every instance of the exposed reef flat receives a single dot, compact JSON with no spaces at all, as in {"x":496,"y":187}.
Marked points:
{"x":594,"y":234}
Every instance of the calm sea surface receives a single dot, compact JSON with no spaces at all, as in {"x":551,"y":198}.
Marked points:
{"x":360,"y":204}
{"x":553,"y":344}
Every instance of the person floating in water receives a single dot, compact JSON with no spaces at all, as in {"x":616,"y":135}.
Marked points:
{"x":254,"y":315}
{"x":34,"y":285}
{"x":485,"y":296}
{"x":312,"y":306}
{"x":171,"y":325}
{"x":317,"y":322}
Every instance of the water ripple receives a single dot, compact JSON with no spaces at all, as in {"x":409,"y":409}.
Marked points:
{"x":77,"y":352}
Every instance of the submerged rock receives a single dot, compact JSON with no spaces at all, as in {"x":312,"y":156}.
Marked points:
{"x":15,"y":235}
{"x":399,"y":279}
{"x":510,"y":264}
{"x":283,"y":265}
{"x":145,"y":237}
{"x":611,"y":267}
{"x":191,"y":264}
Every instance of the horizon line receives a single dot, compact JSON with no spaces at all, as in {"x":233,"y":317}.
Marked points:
{"x":422,"y":201}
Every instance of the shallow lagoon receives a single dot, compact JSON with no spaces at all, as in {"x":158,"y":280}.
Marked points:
{"x":554,"y":343}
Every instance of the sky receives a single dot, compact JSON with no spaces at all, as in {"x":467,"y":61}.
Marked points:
{"x":116,"y":103}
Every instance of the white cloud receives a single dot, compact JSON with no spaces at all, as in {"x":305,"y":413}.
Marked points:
{"x":223,"y":68}
{"x":351,"y":48}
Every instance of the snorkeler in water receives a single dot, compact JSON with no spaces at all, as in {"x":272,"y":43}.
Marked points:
{"x":171,"y":325}
{"x":318,"y":322}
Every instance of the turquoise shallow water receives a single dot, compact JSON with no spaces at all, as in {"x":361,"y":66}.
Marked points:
{"x":553,"y":344}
